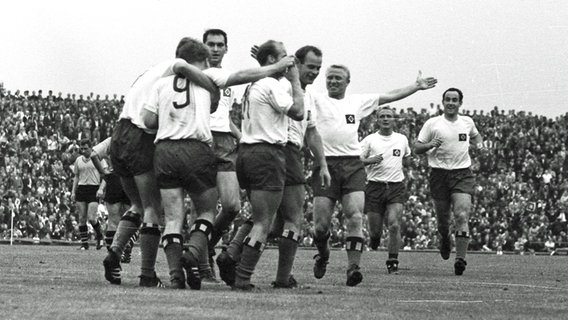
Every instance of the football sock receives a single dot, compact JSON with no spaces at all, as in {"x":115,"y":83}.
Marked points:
{"x":109,"y":235}
{"x":127,"y":226}
{"x":98,"y":229}
{"x":236,"y":246}
{"x":354,"y":248}
{"x":249,"y":258}
{"x":462,"y":242}
{"x":221,"y":224}
{"x":321,"y":243}
{"x":287,"y":247}
{"x":198,"y":238}
{"x":149,"y":243}
{"x":84,"y":234}
{"x":173,"y":248}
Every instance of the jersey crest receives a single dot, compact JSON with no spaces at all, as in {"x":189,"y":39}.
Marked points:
{"x":350,"y":118}
{"x":462,"y":137}
{"x":396,"y":152}
{"x":227,"y":92}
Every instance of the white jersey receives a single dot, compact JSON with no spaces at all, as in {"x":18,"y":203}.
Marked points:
{"x":103,"y":148}
{"x":140,"y":91}
{"x":265,"y":106}
{"x":220,"y":119}
{"x":454,"y":151}
{"x":393,"y":148}
{"x":103,"y":151}
{"x":338,"y":122}
{"x":183,"y":108}
{"x":297,"y":129}
{"x":86,"y":173}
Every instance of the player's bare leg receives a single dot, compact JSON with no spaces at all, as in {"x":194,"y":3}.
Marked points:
{"x":288,"y":226}
{"x":323,"y":210}
{"x":264,"y":205}
{"x":394,"y":216}
{"x":462,"y":209}
{"x":354,"y":242}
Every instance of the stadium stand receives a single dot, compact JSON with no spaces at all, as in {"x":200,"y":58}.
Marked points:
{"x":520,"y":204}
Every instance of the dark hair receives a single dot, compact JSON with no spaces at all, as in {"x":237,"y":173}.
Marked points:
{"x":191,"y":50}
{"x":266,"y":49}
{"x":303,"y":51}
{"x":84,"y":142}
{"x":215,"y":32}
{"x":460,"y":94}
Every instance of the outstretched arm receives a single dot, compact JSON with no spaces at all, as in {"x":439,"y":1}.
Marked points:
{"x":401,"y":93}
{"x":254,"y":74}
{"x":194,"y":74}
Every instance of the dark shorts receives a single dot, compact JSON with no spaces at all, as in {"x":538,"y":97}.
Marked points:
{"x":188,"y":164}
{"x":445,"y":182}
{"x":86,"y":193}
{"x":294,"y":166}
{"x":347,"y":175}
{"x":379,"y":194}
{"x":131,"y":150}
{"x":261,"y":166}
{"x":225,"y":149}
{"x":114,"y":192}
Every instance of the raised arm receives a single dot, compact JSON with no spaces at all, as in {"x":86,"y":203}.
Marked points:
{"x":296,"y":112}
{"x":401,"y":93}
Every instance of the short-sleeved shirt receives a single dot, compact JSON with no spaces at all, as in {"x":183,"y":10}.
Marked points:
{"x":393,"y":148}
{"x":86,"y":172}
{"x":338,"y":122}
{"x":454,"y":151}
{"x":297,"y":129}
{"x":140,"y":90}
{"x":183,"y":108}
{"x":265,"y":107}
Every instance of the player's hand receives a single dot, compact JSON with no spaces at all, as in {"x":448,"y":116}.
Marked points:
{"x":72,"y":197}
{"x":286,"y":63}
{"x":435,"y":143}
{"x":100,"y":194}
{"x":325,"y":177}
{"x":376,"y":159}
{"x":253,"y":51}
{"x":292,"y":74}
{"x":425,"y":83}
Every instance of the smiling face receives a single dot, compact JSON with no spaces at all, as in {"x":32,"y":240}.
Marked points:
{"x":336,"y":81}
{"x":309,"y":69}
{"x":217,"y":47}
{"x":452,"y":102}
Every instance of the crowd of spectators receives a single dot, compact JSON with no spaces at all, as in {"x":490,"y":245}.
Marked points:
{"x":521,"y":193}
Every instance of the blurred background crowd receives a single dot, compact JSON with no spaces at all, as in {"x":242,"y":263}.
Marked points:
{"x":520,"y":202}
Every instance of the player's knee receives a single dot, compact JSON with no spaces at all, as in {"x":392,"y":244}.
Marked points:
{"x":355,"y":222}
{"x":133,"y":217}
{"x":394,"y":228}
{"x":461,"y":218}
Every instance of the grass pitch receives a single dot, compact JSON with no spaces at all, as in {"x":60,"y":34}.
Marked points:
{"x":61,"y":282}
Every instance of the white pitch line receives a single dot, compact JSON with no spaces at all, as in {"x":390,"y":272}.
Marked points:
{"x":497,"y":284}
{"x":440,"y":301}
